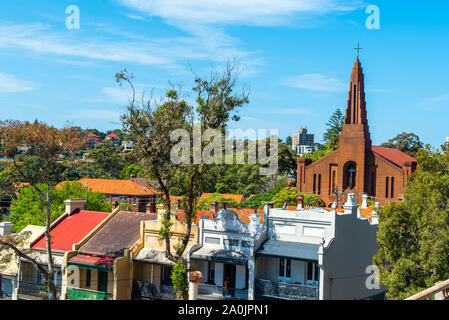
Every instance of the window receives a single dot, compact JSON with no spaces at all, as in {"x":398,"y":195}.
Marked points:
{"x":386,"y":187}
{"x":350,"y":176}
{"x":211,"y":272}
{"x":285,"y":269}
{"x":373,"y":184}
{"x":319,"y":184}
{"x":134,"y":201}
{"x":231,"y":243}
{"x":212,"y":240}
{"x":392,"y":187}
{"x":88,"y":277}
{"x":166,"y":275}
{"x":312,"y":271}
{"x":333,"y":181}
{"x":314,"y":183}
{"x":122,"y":198}
{"x":109,"y":198}
{"x":246,"y":244}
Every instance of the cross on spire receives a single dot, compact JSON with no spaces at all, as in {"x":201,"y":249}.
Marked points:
{"x":358,"y":48}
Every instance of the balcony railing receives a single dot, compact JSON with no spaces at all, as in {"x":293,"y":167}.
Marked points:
{"x":35,"y":289}
{"x":149,"y":290}
{"x":282,"y":290}
{"x":85,"y":294}
{"x":439,"y":291}
{"x":213,"y":292}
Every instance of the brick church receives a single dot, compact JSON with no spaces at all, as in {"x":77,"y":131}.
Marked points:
{"x":356,"y":166}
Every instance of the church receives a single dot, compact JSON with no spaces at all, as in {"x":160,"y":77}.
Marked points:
{"x":356,"y":166}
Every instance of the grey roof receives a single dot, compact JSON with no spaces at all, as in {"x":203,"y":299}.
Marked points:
{"x":154,"y":256}
{"x":289,"y":250}
{"x":220,"y":255}
{"x":118,"y":234}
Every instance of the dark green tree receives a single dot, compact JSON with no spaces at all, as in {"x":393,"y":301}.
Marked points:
{"x":334,"y":127}
{"x":406,"y":142}
{"x":413,"y":237}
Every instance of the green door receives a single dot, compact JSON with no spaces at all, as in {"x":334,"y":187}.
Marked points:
{"x":103,"y":281}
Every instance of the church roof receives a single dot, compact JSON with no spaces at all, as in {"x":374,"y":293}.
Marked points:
{"x":395,"y":156}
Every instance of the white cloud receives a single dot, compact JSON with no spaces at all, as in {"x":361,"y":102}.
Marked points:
{"x":9,"y":84}
{"x":316,"y":82}
{"x":435,"y":103}
{"x":248,"y":12}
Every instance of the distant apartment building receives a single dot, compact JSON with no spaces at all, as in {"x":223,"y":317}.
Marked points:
{"x":302,"y":142}
{"x":92,"y":141}
{"x":133,"y":192}
{"x":114,"y":138}
{"x":127,"y":145}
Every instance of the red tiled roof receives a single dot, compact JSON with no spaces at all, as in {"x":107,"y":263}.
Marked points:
{"x":112,"y":135}
{"x":93,"y":260}
{"x":120,"y":187}
{"x":71,"y":229}
{"x":393,"y":155}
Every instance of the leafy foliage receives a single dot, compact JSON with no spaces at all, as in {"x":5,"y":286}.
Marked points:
{"x":29,"y":207}
{"x":413,"y":235}
{"x":205,"y":204}
{"x":406,"y":142}
{"x":290,"y":196}
{"x":180,"y":281}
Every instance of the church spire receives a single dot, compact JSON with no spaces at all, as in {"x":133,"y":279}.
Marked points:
{"x":356,"y":106}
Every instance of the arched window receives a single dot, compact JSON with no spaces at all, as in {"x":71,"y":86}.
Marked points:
{"x":350,"y":174}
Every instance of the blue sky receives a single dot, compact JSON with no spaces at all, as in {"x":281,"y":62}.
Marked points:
{"x":296,"y":55}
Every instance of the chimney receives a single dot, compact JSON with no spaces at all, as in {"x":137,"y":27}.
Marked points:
{"x":300,"y":199}
{"x":214,"y":207}
{"x":364,"y":201}
{"x":5,"y":228}
{"x":72,"y":204}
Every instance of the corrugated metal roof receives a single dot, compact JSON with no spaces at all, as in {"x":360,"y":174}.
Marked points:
{"x":118,"y":234}
{"x":289,"y":250}
{"x":220,"y":255}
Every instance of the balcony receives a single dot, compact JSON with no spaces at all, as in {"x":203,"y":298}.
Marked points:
{"x":213,"y":292}
{"x":37,"y":290}
{"x":85,"y":294}
{"x":148,"y":290}
{"x":285,"y":291}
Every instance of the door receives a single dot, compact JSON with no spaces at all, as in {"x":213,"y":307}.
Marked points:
{"x":229,"y":271}
{"x":285,"y":267}
{"x":103,"y":281}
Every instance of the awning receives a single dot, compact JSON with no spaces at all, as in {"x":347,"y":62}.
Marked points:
{"x":289,"y":250}
{"x":220,"y":255}
{"x":152,"y":256}
{"x":102,"y":263}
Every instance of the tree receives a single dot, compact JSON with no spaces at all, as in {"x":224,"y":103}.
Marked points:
{"x":290,"y":197}
{"x":29,"y":209}
{"x":151,"y":128}
{"x":108,"y":163}
{"x":335,"y":125}
{"x":38,"y":164}
{"x":205,"y":204}
{"x":406,"y":142}
{"x":413,"y":237}
{"x":288,"y":141}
